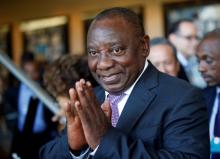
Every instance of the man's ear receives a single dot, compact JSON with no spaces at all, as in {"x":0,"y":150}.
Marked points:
{"x":146,"y":46}
{"x":172,"y":38}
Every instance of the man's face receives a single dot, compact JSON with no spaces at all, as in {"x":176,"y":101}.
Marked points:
{"x":32,"y":70}
{"x":115,"y":55}
{"x":186,"y":39}
{"x":162,"y":57}
{"x":208,"y":54}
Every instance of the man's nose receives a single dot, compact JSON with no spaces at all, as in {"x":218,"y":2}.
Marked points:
{"x":162,"y":68}
{"x":105,"y":61}
{"x":202,"y":66}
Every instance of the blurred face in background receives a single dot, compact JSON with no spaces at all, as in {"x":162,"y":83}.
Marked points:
{"x":185,"y":39}
{"x":208,"y":54}
{"x":163,"y":59}
{"x":32,"y":70}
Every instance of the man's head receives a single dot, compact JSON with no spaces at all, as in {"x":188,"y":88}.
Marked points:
{"x":184,"y":35}
{"x":208,"y":54}
{"x":30,"y":66}
{"x":163,"y":56}
{"x":117,"y":49}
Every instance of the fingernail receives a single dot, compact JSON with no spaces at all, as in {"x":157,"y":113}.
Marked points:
{"x":88,"y":84}
{"x":83,"y":81}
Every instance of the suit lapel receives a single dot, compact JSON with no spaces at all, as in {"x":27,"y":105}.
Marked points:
{"x":139,"y":99}
{"x":100,"y":94}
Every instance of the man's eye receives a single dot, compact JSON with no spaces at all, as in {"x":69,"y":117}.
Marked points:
{"x":209,"y":60}
{"x":117,"y":51}
{"x":92,"y":53}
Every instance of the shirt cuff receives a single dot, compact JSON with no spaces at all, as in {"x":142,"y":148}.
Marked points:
{"x":94,"y":151}
{"x":84,"y":153}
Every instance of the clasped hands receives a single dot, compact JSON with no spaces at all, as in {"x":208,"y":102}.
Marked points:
{"x":87,"y":121}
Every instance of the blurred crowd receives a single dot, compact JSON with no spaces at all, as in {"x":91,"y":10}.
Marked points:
{"x":26,"y":124}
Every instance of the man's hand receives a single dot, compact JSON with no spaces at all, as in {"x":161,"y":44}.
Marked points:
{"x":76,"y":138}
{"x":93,"y":119}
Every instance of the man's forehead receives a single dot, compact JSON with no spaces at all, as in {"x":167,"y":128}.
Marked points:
{"x":185,"y":27}
{"x":110,"y":21}
{"x":210,"y":46}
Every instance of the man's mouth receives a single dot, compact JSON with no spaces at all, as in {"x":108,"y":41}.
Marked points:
{"x":110,"y":79}
{"x":206,"y":77}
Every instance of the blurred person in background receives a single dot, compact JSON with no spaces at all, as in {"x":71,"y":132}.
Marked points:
{"x":5,"y":134}
{"x":184,"y":36}
{"x":60,"y":76}
{"x":33,"y":126}
{"x":163,"y":56}
{"x":208,"y":53}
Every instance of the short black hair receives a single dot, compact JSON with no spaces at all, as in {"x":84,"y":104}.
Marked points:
{"x":163,"y":41}
{"x":27,"y":57}
{"x":212,"y":35}
{"x":127,"y":14}
{"x":174,"y":28}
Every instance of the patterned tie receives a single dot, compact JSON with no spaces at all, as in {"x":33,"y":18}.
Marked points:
{"x":217,"y":128}
{"x":114,"y":100}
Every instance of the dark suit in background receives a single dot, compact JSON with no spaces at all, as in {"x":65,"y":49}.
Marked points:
{"x":26,"y":142}
{"x":182,"y":74}
{"x":210,"y":94}
{"x":163,"y":118}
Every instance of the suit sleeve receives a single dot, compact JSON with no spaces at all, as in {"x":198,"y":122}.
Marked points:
{"x":59,"y":149}
{"x":185,"y":135}
{"x":56,"y":149}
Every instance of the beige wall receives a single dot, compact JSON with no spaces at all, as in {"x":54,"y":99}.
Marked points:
{"x":17,"y":11}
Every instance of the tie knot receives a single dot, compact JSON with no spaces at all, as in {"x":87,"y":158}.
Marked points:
{"x":115,"y":98}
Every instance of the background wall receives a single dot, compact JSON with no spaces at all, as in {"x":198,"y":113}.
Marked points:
{"x":14,"y":12}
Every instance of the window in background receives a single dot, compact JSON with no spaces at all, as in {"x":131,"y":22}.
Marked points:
{"x":206,"y":15}
{"x":47,"y":38}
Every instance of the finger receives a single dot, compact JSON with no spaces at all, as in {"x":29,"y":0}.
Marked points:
{"x":73,"y":94}
{"x":107,"y":109}
{"x":90,"y":89}
{"x":80,"y":89}
{"x":55,"y":118}
{"x":68,"y":113}
{"x":83,"y":116}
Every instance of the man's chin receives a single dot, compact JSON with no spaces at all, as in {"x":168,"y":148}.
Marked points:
{"x":112,"y":88}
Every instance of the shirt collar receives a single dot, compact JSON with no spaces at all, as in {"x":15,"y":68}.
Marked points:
{"x":128,"y":91}
{"x":218,"y":90}
{"x":182,"y":59}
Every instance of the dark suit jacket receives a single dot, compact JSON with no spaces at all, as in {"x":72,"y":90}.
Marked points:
{"x":182,"y":73}
{"x":210,"y":94}
{"x":164,"y":118}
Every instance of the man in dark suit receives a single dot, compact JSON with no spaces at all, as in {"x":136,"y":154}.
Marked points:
{"x":152,"y":115}
{"x":184,"y":36}
{"x":33,"y":125}
{"x":208,"y":53}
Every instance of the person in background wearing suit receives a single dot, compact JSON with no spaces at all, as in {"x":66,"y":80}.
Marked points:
{"x":33,"y":126}
{"x":163,"y":57}
{"x":208,"y":54}
{"x":183,"y":34}
{"x":147,"y":114}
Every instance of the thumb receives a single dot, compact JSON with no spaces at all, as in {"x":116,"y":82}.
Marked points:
{"x":107,"y":109}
